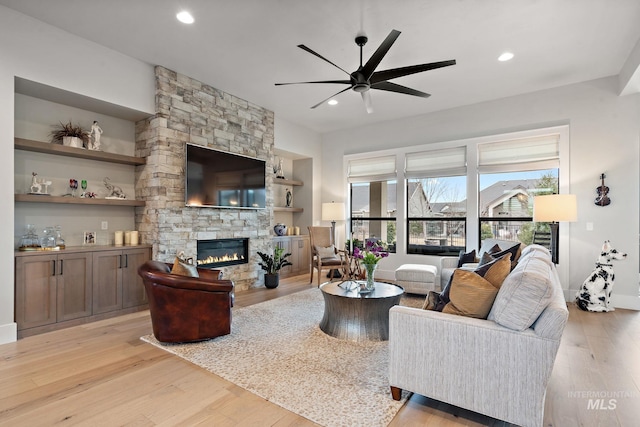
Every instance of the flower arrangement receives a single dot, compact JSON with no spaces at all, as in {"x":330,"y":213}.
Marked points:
{"x":373,"y":252}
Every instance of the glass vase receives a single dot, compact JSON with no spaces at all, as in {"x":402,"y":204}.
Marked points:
{"x":371,"y":270}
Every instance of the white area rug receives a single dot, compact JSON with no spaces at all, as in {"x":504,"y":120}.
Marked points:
{"x":277,"y":351}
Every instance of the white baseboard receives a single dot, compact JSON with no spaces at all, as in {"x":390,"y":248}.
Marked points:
{"x":8,"y":333}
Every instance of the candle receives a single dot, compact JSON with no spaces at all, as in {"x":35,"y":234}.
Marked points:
{"x":134,"y":237}
{"x":118,"y":240}
{"x":127,"y":237}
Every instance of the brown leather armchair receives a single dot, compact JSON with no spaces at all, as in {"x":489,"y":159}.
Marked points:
{"x":187,"y":309}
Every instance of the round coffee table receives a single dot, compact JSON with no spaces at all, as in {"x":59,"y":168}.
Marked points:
{"x":358,"y":317}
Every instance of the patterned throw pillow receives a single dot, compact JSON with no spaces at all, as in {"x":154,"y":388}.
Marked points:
{"x":183,"y":266}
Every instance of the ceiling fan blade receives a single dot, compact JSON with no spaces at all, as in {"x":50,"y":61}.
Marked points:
{"x":372,"y":63}
{"x":346,"y":82}
{"x":392,"y":87}
{"x":380,"y":76}
{"x":366,"y":97}
{"x":336,"y":94}
{"x":303,"y":47}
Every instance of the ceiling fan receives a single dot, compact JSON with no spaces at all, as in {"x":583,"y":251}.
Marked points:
{"x":366,"y":77}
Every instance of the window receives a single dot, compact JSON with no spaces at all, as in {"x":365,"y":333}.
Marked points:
{"x":373,"y":200}
{"x":511,"y":173}
{"x":436,"y":201}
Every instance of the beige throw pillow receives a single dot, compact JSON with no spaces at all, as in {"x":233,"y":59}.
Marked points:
{"x":328,"y":252}
{"x":470,"y":295}
{"x":184,"y":266}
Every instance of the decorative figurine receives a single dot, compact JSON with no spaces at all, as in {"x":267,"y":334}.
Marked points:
{"x":36,"y":186}
{"x":94,"y":135}
{"x":603,"y":191}
{"x":279,"y":172}
{"x":288,"y":198}
{"x":115,"y":192}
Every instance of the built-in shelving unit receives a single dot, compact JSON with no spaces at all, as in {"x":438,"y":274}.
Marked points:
{"x":43,"y":198}
{"x":282,"y":181}
{"x":293,"y":183}
{"x":61,"y":150}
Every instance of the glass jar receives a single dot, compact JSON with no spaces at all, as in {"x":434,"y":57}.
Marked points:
{"x":30,"y":241}
{"x":48,"y":238}
{"x":59,"y":240}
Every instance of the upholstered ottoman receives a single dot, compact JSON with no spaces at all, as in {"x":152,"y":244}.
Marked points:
{"x":417,"y":278}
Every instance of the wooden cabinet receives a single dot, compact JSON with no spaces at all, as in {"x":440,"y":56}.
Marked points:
{"x":298,"y":246}
{"x":74,"y":286}
{"x":77,"y":285}
{"x":116,"y":283}
{"x":52,"y":288}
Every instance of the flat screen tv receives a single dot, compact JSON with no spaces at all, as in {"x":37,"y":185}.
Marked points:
{"x":223,"y":180}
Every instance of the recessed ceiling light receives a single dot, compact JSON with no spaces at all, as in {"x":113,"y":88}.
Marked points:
{"x":505,"y":56}
{"x":332,"y":102}
{"x":185,"y":17}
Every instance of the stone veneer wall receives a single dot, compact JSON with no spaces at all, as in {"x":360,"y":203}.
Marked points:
{"x":188,"y":111}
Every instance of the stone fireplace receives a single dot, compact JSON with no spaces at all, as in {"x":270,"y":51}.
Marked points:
{"x":189,"y":111}
{"x":215,"y":253}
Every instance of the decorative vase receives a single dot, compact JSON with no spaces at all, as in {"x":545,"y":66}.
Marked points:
{"x":271,"y":281}
{"x":280,"y":229}
{"x":371,"y":270}
{"x":72,"y":141}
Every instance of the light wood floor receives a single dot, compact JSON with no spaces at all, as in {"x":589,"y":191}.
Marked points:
{"x":101,"y":374}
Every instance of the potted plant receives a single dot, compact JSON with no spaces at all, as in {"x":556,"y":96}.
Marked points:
{"x":272,"y":264}
{"x":70,"y":135}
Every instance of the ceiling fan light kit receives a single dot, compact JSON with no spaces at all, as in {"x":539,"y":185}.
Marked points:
{"x":366,"y":77}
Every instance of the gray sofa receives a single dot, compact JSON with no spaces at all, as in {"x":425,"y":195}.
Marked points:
{"x":497,"y":366}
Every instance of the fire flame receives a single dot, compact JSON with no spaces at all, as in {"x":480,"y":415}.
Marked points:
{"x":215,"y":259}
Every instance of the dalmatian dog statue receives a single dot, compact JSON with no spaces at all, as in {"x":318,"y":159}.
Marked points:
{"x":596,"y":290}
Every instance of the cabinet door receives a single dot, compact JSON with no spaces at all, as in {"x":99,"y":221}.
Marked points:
{"x":35,"y":303}
{"x":285,"y":243}
{"x":107,"y":281}
{"x":74,"y":285}
{"x":133,"y":293}
{"x":304,"y":255}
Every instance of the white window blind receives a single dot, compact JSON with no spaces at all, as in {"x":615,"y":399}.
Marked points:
{"x":436,"y":163}
{"x":372,"y":169}
{"x":542,"y":152}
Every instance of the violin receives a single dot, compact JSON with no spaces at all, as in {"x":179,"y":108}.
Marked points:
{"x":603,"y":190}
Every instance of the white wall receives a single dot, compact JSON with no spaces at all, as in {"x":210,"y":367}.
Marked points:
{"x":304,"y":143}
{"x":604,"y":137}
{"x":32,"y":50}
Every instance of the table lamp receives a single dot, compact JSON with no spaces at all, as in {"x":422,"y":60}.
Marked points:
{"x":555,"y":208}
{"x":333,"y":212}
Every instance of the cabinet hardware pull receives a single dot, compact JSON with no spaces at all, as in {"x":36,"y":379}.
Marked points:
{"x":119,"y":261}
{"x":54,"y":267}
{"x":126,"y":261}
{"x":61,"y":267}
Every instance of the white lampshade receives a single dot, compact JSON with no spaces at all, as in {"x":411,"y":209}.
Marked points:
{"x":555,"y":208}
{"x":333,"y":211}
